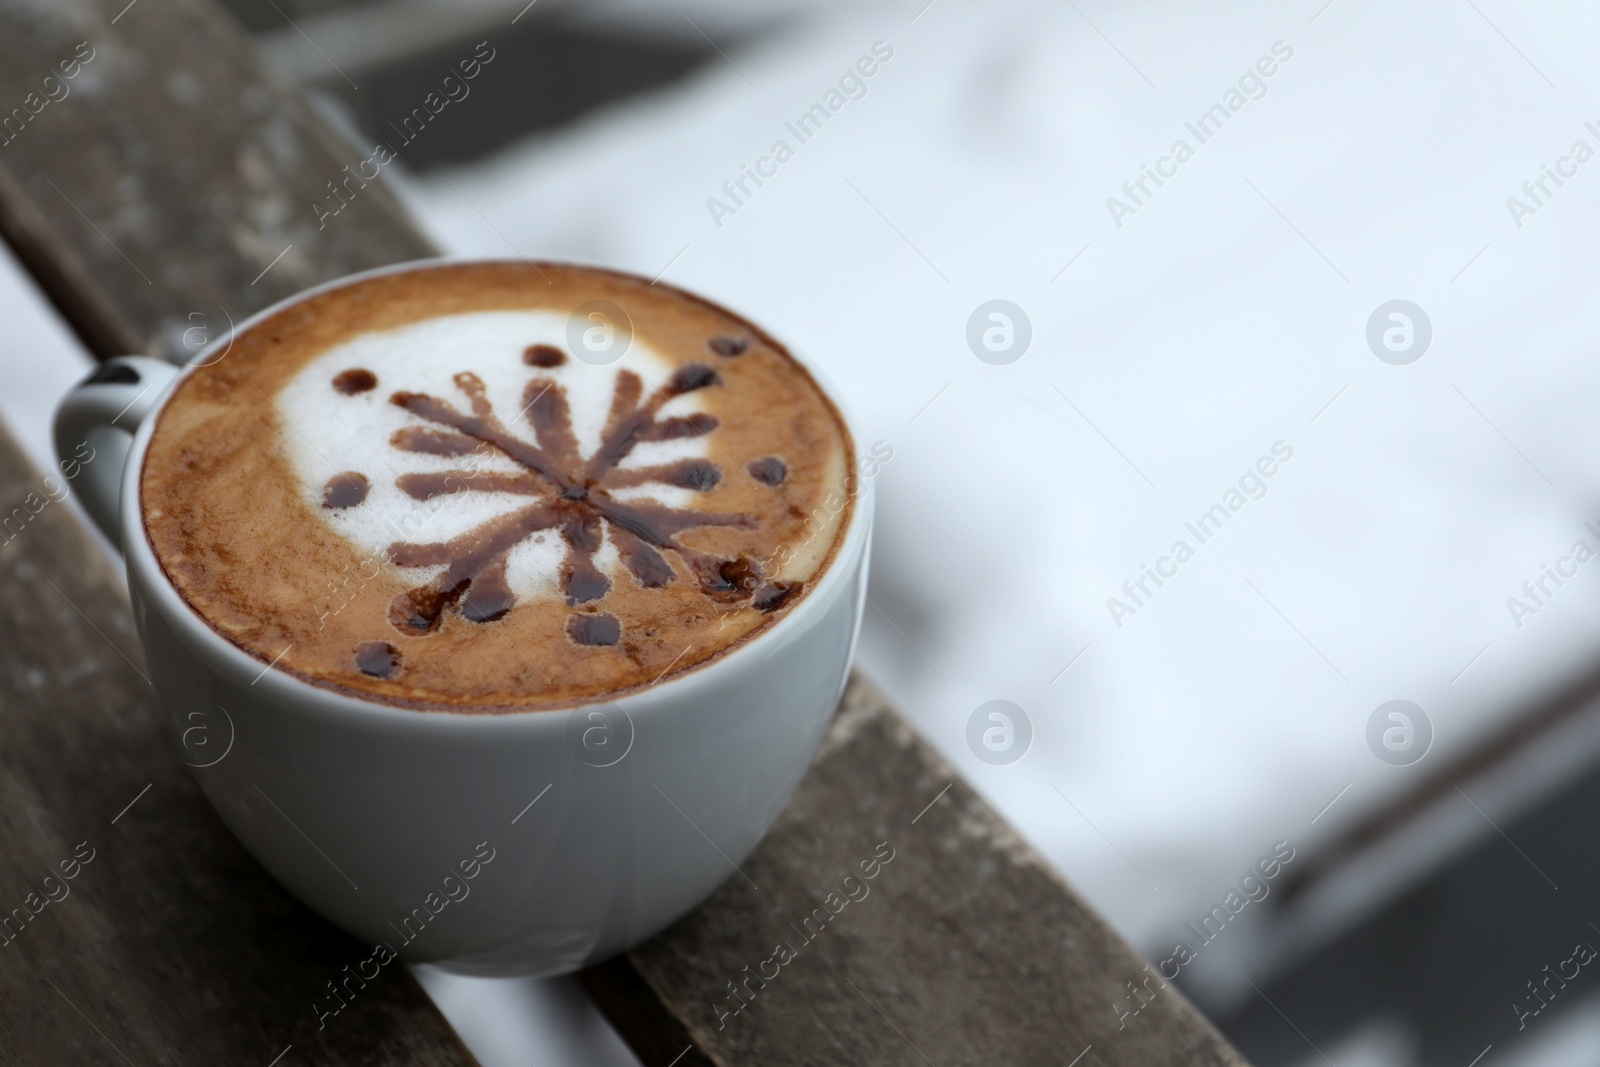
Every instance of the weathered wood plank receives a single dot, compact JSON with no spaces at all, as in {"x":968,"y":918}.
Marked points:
{"x":1536,"y":719}
{"x":964,"y":948}
{"x":146,"y":197}
{"x":168,"y":944}
{"x":168,"y":174}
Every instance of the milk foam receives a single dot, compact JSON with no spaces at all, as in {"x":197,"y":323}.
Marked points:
{"x":326,"y":432}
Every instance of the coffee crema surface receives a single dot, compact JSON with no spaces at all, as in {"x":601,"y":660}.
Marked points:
{"x":413,"y":488}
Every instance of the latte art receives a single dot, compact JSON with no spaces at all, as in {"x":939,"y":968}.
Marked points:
{"x":441,"y":507}
{"x":562,"y":474}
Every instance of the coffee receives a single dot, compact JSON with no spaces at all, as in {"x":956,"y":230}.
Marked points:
{"x":488,"y":487}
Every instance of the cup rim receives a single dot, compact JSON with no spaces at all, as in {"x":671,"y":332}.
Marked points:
{"x":240,"y":666}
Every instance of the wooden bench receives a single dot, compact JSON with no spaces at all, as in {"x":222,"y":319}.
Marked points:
{"x":165,"y":193}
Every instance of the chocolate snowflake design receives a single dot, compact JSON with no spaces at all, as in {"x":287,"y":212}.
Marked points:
{"x":572,"y":495}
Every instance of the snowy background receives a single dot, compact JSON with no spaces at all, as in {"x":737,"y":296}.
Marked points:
{"x":1170,"y":349}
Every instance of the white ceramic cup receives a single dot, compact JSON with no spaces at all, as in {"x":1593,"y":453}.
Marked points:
{"x":525,"y":843}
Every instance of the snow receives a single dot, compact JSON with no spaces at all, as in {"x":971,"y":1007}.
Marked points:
{"x":1224,"y":319}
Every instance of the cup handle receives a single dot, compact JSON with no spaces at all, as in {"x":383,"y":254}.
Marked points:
{"x":94,"y":428}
